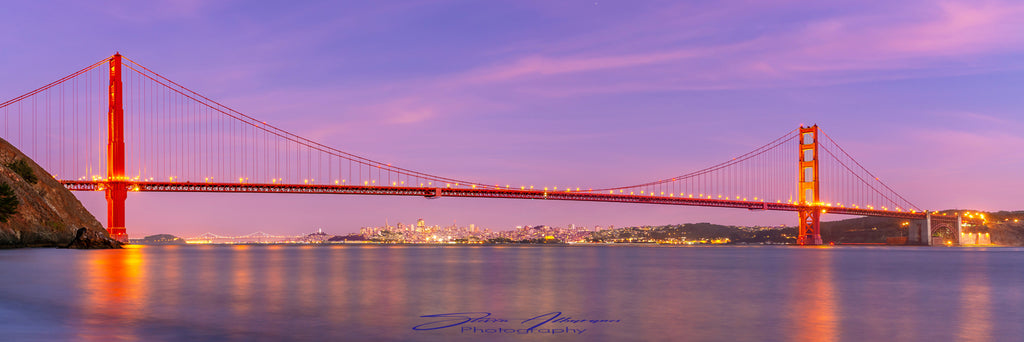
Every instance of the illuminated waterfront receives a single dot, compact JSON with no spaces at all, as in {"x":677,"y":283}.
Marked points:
{"x":374,"y":292}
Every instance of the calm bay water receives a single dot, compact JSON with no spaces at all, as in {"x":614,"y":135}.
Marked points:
{"x":589,"y":293}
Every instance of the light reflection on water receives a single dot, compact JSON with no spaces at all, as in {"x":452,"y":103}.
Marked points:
{"x":975,"y":299}
{"x":254,"y":293}
{"x":813,"y":310}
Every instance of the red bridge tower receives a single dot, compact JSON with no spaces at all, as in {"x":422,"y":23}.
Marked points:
{"x":117,"y":188}
{"x":807,"y":186}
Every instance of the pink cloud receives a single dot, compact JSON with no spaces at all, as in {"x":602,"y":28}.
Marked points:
{"x":891,"y":43}
{"x":964,"y":28}
{"x":553,"y":66}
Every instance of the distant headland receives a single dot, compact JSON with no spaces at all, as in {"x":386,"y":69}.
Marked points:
{"x":1002,"y":228}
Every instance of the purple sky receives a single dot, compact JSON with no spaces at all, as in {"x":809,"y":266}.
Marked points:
{"x":927,"y":95}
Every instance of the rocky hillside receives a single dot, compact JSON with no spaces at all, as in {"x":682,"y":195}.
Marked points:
{"x":1006,"y":228}
{"x":46,"y":214}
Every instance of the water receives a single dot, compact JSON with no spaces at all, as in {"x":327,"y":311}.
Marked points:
{"x":377,"y":293}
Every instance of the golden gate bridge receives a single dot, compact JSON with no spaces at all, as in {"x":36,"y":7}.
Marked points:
{"x":161,"y":136}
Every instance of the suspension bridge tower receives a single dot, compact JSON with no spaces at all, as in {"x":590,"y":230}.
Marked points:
{"x":116,"y":187}
{"x":808,"y":187}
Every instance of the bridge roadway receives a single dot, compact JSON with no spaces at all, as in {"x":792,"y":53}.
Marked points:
{"x":492,"y":192}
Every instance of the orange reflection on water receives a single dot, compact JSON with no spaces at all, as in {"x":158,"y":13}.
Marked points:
{"x":241,"y":279}
{"x":303,"y":284}
{"x":814,"y":310}
{"x":975,"y":308}
{"x":113,"y":293}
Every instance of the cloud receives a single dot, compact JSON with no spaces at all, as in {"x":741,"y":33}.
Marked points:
{"x":981,"y":118}
{"x":667,"y":48}
{"x":547,"y":66}
{"x":926,"y":40}
{"x":963,"y":28}
{"x":146,"y":11}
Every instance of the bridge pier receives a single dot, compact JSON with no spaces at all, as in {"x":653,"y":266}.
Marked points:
{"x":920,"y":231}
{"x":959,"y":230}
{"x":810,"y":227}
{"x":117,"y":192}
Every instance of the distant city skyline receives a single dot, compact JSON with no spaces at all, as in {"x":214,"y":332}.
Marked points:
{"x":926,"y":95}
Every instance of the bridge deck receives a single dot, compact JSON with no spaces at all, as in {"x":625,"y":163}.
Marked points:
{"x":433,"y":192}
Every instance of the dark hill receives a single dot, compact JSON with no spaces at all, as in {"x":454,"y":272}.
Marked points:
{"x":861,"y":230}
